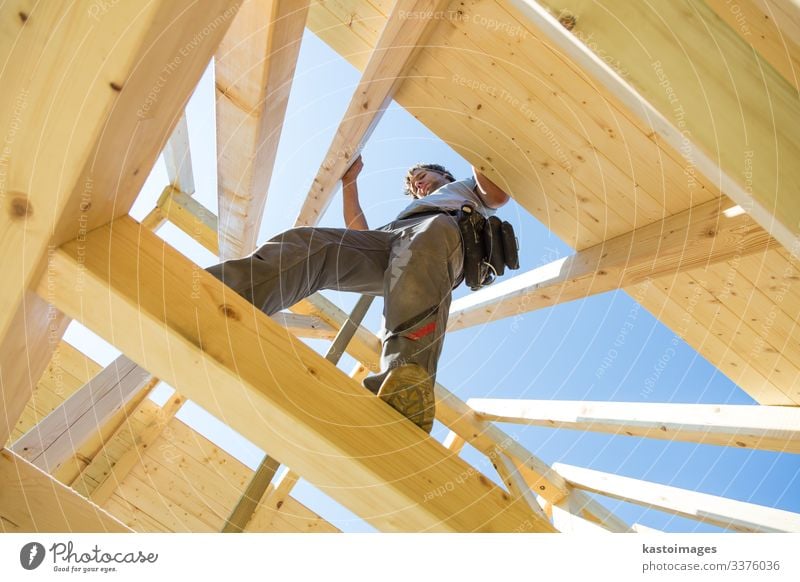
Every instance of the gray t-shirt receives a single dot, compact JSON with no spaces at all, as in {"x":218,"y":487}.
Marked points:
{"x":451,"y":196}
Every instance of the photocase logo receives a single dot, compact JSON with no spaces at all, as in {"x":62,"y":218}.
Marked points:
{"x":31,"y":555}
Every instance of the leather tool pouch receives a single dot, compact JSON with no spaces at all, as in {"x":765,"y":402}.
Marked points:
{"x":489,"y":247}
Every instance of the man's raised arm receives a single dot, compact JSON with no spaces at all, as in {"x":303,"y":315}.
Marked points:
{"x":492,"y":194}
{"x":353,"y":215}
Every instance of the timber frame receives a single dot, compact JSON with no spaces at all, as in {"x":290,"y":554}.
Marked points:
{"x":708,"y":243}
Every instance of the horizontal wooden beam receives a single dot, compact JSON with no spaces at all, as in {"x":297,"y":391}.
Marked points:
{"x":769,"y":428}
{"x":726,"y":513}
{"x":702,"y":235}
{"x":331,"y":431}
{"x":394,"y":51}
{"x":32,"y":501}
{"x":254,"y":68}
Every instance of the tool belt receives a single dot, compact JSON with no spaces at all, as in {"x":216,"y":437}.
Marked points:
{"x":490,"y":246}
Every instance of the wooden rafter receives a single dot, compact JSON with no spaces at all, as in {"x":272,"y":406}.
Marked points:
{"x":772,"y":27}
{"x":331,"y":432}
{"x":25,"y":350}
{"x":254,"y":68}
{"x":727,"y":513}
{"x":178,"y":158}
{"x":391,"y":57}
{"x":100,"y":478}
{"x":54,"y":440}
{"x":771,"y":428}
{"x":32,"y":501}
{"x":699,"y":236}
{"x":693,"y":113}
{"x":112,"y":118}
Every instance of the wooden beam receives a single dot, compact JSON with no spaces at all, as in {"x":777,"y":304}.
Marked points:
{"x":55,"y":439}
{"x":117,"y":82}
{"x":304,"y":325}
{"x":566,"y":515}
{"x":178,"y":158}
{"x":696,"y":237}
{"x":32,"y":501}
{"x":247,"y":504}
{"x":769,"y":428}
{"x":254,"y":67}
{"x":190,"y":216}
{"x":332,"y":432}
{"x":454,"y":442}
{"x":274,"y":498}
{"x":390,"y":59}
{"x":590,"y":510}
{"x":101,"y":478}
{"x":35,"y":331}
{"x":364,"y":346}
{"x":772,"y":27}
{"x":692,"y":113}
{"x":489,"y":439}
{"x":516,"y":485}
{"x":727,"y":513}
{"x":481,"y":434}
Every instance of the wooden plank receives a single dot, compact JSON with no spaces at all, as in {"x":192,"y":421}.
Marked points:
{"x":328,"y":432}
{"x":32,"y":501}
{"x":744,"y":156}
{"x":254,"y":68}
{"x":394,"y":51}
{"x":772,"y":27}
{"x":247,"y":504}
{"x":33,"y":334}
{"x":726,"y":513}
{"x":517,"y":487}
{"x":567,"y":519}
{"x":178,"y":158}
{"x":769,"y":428}
{"x":454,"y":442}
{"x":364,"y":347}
{"x":292,"y":517}
{"x":54,"y":386}
{"x":133,"y":517}
{"x":699,"y":236}
{"x":116,"y":83}
{"x":103,"y":475}
{"x":56,"y":438}
{"x":719,"y":321}
{"x":489,"y":439}
{"x":190,"y":216}
{"x":161,"y":506}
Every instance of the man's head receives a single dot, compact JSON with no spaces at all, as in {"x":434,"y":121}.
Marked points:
{"x":423,"y":179}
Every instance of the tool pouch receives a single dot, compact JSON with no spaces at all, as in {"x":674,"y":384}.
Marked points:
{"x":489,"y":247}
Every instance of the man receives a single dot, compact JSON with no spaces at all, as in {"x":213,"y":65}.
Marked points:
{"x":414,"y":262}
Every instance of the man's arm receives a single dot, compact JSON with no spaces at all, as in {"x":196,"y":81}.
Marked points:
{"x":353,"y":215}
{"x":493,"y":196}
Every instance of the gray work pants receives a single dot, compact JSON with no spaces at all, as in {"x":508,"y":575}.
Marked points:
{"x":414,"y":263}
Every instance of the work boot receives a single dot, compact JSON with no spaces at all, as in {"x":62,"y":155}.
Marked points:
{"x":409,"y":390}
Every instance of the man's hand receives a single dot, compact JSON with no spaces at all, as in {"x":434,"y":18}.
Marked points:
{"x":353,"y":215}
{"x":351,"y":173}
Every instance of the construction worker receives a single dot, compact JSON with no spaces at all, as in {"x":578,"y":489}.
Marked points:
{"x":414,"y":262}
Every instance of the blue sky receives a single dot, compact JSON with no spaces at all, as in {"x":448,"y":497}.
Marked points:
{"x":553,"y":353}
